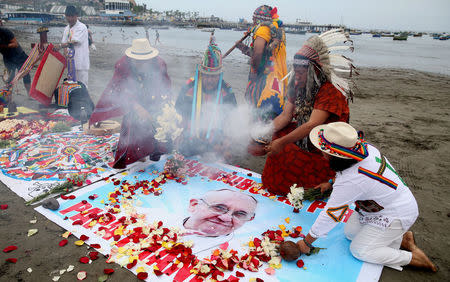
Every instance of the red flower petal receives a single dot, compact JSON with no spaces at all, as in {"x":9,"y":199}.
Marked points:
{"x":11,"y":260}
{"x":9,"y":249}
{"x":157,"y":272}
{"x":96,"y":246}
{"x":116,"y":237}
{"x":142,"y":275}
{"x":77,"y":222}
{"x":93,"y":255}
{"x":84,"y":202}
{"x":259,"y":280}
{"x":131,"y":265}
{"x":300,"y":263}
{"x":108,"y":271}
{"x":62,"y":243}
{"x":3,"y":207}
{"x":64,"y":197}
{"x":239,"y":274}
{"x":84,"y":260}
{"x":71,"y":197}
{"x":84,"y":237}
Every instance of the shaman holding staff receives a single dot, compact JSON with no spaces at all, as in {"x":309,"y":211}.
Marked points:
{"x":267,"y":52}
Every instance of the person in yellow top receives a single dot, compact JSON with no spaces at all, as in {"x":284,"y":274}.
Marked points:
{"x":265,"y":89}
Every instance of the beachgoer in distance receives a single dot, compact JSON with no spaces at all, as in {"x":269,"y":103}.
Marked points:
{"x":204,"y":103}
{"x":139,"y":88}
{"x":385,"y":207}
{"x":220,"y":212}
{"x":76,"y":34}
{"x":267,"y":52}
{"x":312,"y":99}
{"x":13,"y":56}
{"x":157,"y":37}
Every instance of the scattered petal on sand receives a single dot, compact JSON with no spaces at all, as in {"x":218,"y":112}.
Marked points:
{"x":84,"y":237}
{"x":66,"y":234}
{"x":108,"y":271}
{"x":84,"y":260}
{"x":62,"y":271}
{"x":79,"y":243}
{"x":11,"y":260}
{"x":33,"y":221}
{"x":56,"y":278}
{"x":63,"y":242}
{"x":29,"y":270}
{"x":103,"y":278}
{"x":300,"y":263}
{"x":3,"y":207}
{"x":70,"y":268}
{"x":81,"y":275}
{"x":9,"y":249}
{"x":31,"y":232}
{"x":270,"y":271}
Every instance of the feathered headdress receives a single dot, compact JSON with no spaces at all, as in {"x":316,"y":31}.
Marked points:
{"x":317,"y":49}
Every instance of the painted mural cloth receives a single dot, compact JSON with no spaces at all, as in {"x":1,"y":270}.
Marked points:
{"x":39,"y":162}
{"x":180,"y":229}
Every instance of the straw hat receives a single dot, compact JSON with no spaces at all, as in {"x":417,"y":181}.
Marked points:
{"x":141,"y":50}
{"x":339,"y":139}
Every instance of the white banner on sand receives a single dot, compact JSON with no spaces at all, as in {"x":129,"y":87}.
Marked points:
{"x":125,"y":214}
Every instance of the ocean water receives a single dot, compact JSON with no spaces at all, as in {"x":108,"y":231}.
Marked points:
{"x":418,"y":53}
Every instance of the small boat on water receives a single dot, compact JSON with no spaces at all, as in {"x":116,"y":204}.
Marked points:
{"x":376,"y":35}
{"x":295,"y":31}
{"x":355,"y":32}
{"x":444,"y":37}
{"x":402,"y":36}
{"x":417,"y":34}
{"x":207,"y":29}
{"x":387,"y":35}
{"x":26,"y":17}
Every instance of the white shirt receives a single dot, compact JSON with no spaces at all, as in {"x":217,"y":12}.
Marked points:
{"x":352,"y":185}
{"x":79,"y":35}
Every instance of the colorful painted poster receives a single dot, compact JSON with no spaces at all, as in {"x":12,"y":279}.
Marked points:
{"x":40,"y":162}
{"x":204,"y":225}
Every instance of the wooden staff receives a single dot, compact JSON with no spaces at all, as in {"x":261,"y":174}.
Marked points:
{"x":234,"y":46}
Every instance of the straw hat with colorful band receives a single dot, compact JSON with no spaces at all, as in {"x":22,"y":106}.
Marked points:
{"x":339,"y":139}
{"x":212,"y":60}
{"x":141,"y":50}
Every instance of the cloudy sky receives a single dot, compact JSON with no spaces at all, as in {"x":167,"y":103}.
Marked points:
{"x":419,"y":15}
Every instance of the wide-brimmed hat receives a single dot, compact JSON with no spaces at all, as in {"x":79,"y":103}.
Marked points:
{"x":339,"y":139}
{"x":141,"y":50}
{"x":212,"y":60}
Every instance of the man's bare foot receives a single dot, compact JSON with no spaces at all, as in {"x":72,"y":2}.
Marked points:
{"x":419,"y":258}
{"x":408,"y":241}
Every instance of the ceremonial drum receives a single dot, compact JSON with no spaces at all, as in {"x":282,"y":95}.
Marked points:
{"x":47,"y":75}
{"x":105,"y":127}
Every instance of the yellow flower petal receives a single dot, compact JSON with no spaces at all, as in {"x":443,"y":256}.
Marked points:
{"x":79,"y":243}
{"x":66,"y":234}
{"x":287,"y":219}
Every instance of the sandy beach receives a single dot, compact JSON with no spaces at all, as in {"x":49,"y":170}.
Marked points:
{"x":405,"y":113}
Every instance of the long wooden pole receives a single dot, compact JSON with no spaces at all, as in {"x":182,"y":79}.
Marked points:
{"x":234,"y":46}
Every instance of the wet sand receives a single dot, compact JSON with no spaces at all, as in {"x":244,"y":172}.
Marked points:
{"x":405,"y":113}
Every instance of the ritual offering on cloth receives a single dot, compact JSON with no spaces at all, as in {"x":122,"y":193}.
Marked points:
{"x":106,"y":127}
{"x":19,"y":128}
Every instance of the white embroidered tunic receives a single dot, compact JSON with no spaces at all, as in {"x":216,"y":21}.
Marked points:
{"x":381,"y":197}
{"x":79,"y":34}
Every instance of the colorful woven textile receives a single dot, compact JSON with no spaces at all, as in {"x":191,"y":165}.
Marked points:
{"x":212,"y":60}
{"x":28,"y":65}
